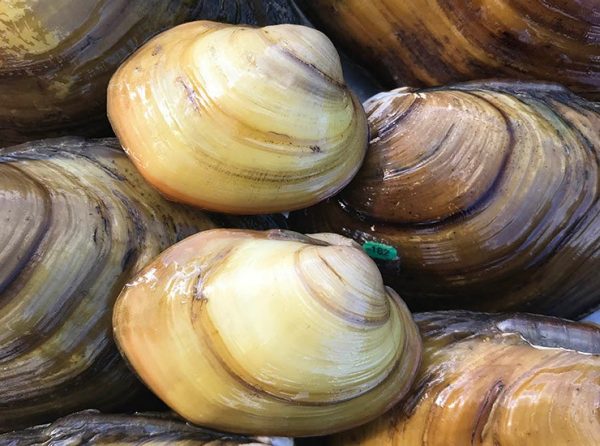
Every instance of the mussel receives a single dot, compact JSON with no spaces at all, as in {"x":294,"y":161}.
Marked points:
{"x":432,"y":42}
{"x":496,"y":380}
{"x":92,"y":427}
{"x":77,"y":221}
{"x":237,"y":119}
{"x":268,"y":333}
{"x":482,"y":195}
{"x":56,"y":57}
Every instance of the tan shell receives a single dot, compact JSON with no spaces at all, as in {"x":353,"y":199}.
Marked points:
{"x":237,"y":119}
{"x":268,"y":333}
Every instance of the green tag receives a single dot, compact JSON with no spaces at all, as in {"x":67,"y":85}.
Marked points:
{"x":380,"y":251}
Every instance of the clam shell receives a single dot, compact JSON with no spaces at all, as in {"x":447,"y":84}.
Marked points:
{"x":237,"y":119}
{"x":268,"y":333}
{"x":489,"y":193}
{"x":432,"y":42}
{"x":77,"y":221}
{"x":488,"y":379}
{"x":92,"y":427}
{"x":56,"y":57}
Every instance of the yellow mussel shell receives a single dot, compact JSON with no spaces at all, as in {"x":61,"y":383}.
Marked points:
{"x":268,"y":333}
{"x":238,"y":119}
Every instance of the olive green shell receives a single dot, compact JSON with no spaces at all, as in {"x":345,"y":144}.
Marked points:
{"x":77,"y":221}
{"x":56,"y":57}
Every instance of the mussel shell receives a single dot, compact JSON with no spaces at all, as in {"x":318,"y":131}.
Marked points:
{"x":77,"y":222}
{"x":432,"y":42}
{"x":251,"y":120}
{"x":488,"y":191}
{"x":56,"y":57}
{"x":92,"y":427}
{"x":489,"y":379}
{"x":268,"y":332}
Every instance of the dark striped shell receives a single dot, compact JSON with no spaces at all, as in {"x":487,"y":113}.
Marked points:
{"x":149,"y":429}
{"x":434,"y":42}
{"x":77,"y":221}
{"x":488,"y":191}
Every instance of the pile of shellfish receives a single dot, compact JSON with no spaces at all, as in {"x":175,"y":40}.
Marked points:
{"x":268,"y":222}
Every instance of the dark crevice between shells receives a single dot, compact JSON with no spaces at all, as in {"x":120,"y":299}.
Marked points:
{"x":541,"y":331}
{"x":93,"y":427}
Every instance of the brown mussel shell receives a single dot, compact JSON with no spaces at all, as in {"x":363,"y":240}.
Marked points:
{"x":496,"y":380}
{"x":92,"y":427}
{"x":432,"y":42}
{"x":56,"y":57}
{"x":77,"y":220}
{"x":489,"y":192}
